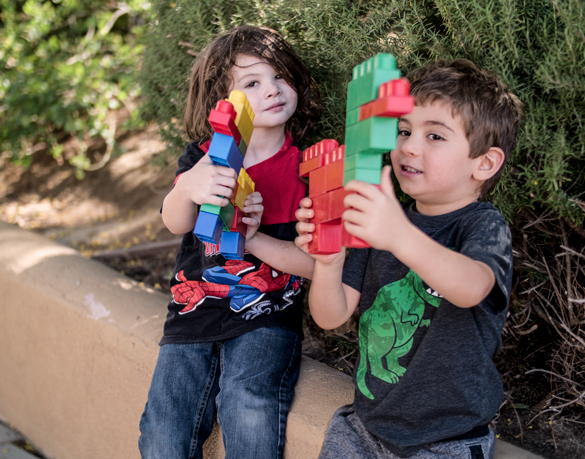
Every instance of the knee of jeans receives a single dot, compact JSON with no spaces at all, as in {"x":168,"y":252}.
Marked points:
{"x":250,"y":411}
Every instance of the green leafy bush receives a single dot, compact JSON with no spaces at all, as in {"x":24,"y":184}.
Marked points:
{"x":537,"y":47}
{"x":65,"y":64}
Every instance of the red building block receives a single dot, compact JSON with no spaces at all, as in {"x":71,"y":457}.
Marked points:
{"x":334,"y":168}
{"x":394,"y":100}
{"x":321,"y":209}
{"x":237,"y":224}
{"x":307,"y":166}
{"x":223,"y":120}
{"x":317,"y":182}
{"x":336,"y":206}
{"x":320,"y":148}
{"x":333,"y":175}
{"x":326,"y":238}
{"x":347,"y":240}
{"x":314,"y":157}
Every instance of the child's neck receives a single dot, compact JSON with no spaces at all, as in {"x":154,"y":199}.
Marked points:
{"x":444,"y":208}
{"x":264,"y":144}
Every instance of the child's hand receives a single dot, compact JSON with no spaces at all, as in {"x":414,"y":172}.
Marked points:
{"x":206,"y":183}
{"x":303,"y":227}
{"x":254,"y":208}
{"x":375,"y":215}
{"x":305,"y":230}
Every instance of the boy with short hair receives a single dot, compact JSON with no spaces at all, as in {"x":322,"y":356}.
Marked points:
{"x":433,"y":290}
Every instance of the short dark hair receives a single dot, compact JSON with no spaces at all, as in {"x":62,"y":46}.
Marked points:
{"x":490,"y":113}
{"x":211,"y":77}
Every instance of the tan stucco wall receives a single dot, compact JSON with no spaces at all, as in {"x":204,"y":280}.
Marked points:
{"x":78,"y":345}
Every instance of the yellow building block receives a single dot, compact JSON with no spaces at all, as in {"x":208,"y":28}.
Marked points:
{"x":243,"y":188}
{"x":245,"y":115}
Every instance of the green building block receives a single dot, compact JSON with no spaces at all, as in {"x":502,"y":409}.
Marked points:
{"x":367,"y":77}
{"x":373,"y":135}
{"x":226,"y":213}
{"x":352,"y":117}
{"x":210,"y":209}
{"x":243,"y":147}
{"x":363,"y":161}
{"x":365,"y":175}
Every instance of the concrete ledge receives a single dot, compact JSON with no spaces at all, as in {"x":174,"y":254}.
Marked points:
{"x":79,"y":344}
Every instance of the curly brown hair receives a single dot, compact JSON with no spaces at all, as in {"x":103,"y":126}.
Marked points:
{"x":491,"y":114}
{"x":211,"y":77}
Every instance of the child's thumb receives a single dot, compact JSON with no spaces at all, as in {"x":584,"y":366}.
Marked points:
{"x":386,"y":181}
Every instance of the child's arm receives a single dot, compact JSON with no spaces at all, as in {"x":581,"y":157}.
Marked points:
{"x":377,"y":217}
{"x":204,"y":183}
{"x":281,"y":255}
{"x":331,"y":302}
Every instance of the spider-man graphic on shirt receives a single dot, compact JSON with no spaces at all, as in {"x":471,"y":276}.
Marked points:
{"x":236,"y":281}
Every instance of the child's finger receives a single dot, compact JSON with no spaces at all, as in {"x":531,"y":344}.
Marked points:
{"x":306,"y":203}
{"x":305,"y":227}
{"x":251,"y":221}
{"x":352,"y":216}
{"x":227,"y":172}
{"x":220,"y":190}
{"x":386,"y":185}
{"x":216,"y":200}
{"x":254,"y":209}
{"x":355,"y":229}
{"x":302,"y":241}
{"x":303,"y":214}
{"x":224,"y":180}
{"x":253,"y":199}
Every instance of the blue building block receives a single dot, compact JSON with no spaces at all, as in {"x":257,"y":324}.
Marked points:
{"x":208,"y":227}
{"x":224,"y":151}
{"x":232,"y":245}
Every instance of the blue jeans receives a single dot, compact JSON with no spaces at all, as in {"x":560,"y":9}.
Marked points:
{"x":249,"y":380}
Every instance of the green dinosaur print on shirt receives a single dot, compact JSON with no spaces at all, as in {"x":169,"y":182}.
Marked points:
{"x":386,"y":329}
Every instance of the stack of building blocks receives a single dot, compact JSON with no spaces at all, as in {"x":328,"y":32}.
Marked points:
{"x":232,"y":123}
{"x":376,"y":98}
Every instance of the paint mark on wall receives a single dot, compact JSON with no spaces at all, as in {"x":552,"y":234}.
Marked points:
{"x":98,"y":310}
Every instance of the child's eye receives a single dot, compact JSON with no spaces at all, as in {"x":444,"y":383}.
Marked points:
{"x":403,"y":133}
{"x":435,"y":137}
{"x":251,"y":84}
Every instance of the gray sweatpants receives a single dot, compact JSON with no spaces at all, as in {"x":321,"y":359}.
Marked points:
{"x":347,"y":438}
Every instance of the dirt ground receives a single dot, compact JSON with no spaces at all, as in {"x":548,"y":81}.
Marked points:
{"x":113,"y":216}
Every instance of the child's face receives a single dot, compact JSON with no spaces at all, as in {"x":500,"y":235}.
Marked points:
{"x":271,"y":98}
{"x":431,"y":160}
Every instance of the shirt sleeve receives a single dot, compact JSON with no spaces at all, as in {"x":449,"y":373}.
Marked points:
{"x":354,"y":268}
{"x":488,"y":239}
{"x":192,"y":154}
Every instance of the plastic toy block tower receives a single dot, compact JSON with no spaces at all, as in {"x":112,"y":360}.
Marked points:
{"x":376,"y":98}
{"x":232,"y":122}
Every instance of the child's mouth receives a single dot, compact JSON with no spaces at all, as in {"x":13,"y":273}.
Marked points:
{"x":276,"y":107}
{"x":411,"y":170}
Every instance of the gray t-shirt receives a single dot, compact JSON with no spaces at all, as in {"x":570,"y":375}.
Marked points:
{"x":425,"y":371}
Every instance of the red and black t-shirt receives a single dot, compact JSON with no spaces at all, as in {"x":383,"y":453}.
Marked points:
{"x":215,"y":298}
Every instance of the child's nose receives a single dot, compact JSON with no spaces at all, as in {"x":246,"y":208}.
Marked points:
{"x":273,"y":90}
{"x":409,"y":146}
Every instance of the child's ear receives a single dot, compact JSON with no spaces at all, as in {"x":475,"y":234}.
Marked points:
{"x":489,"y":163}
